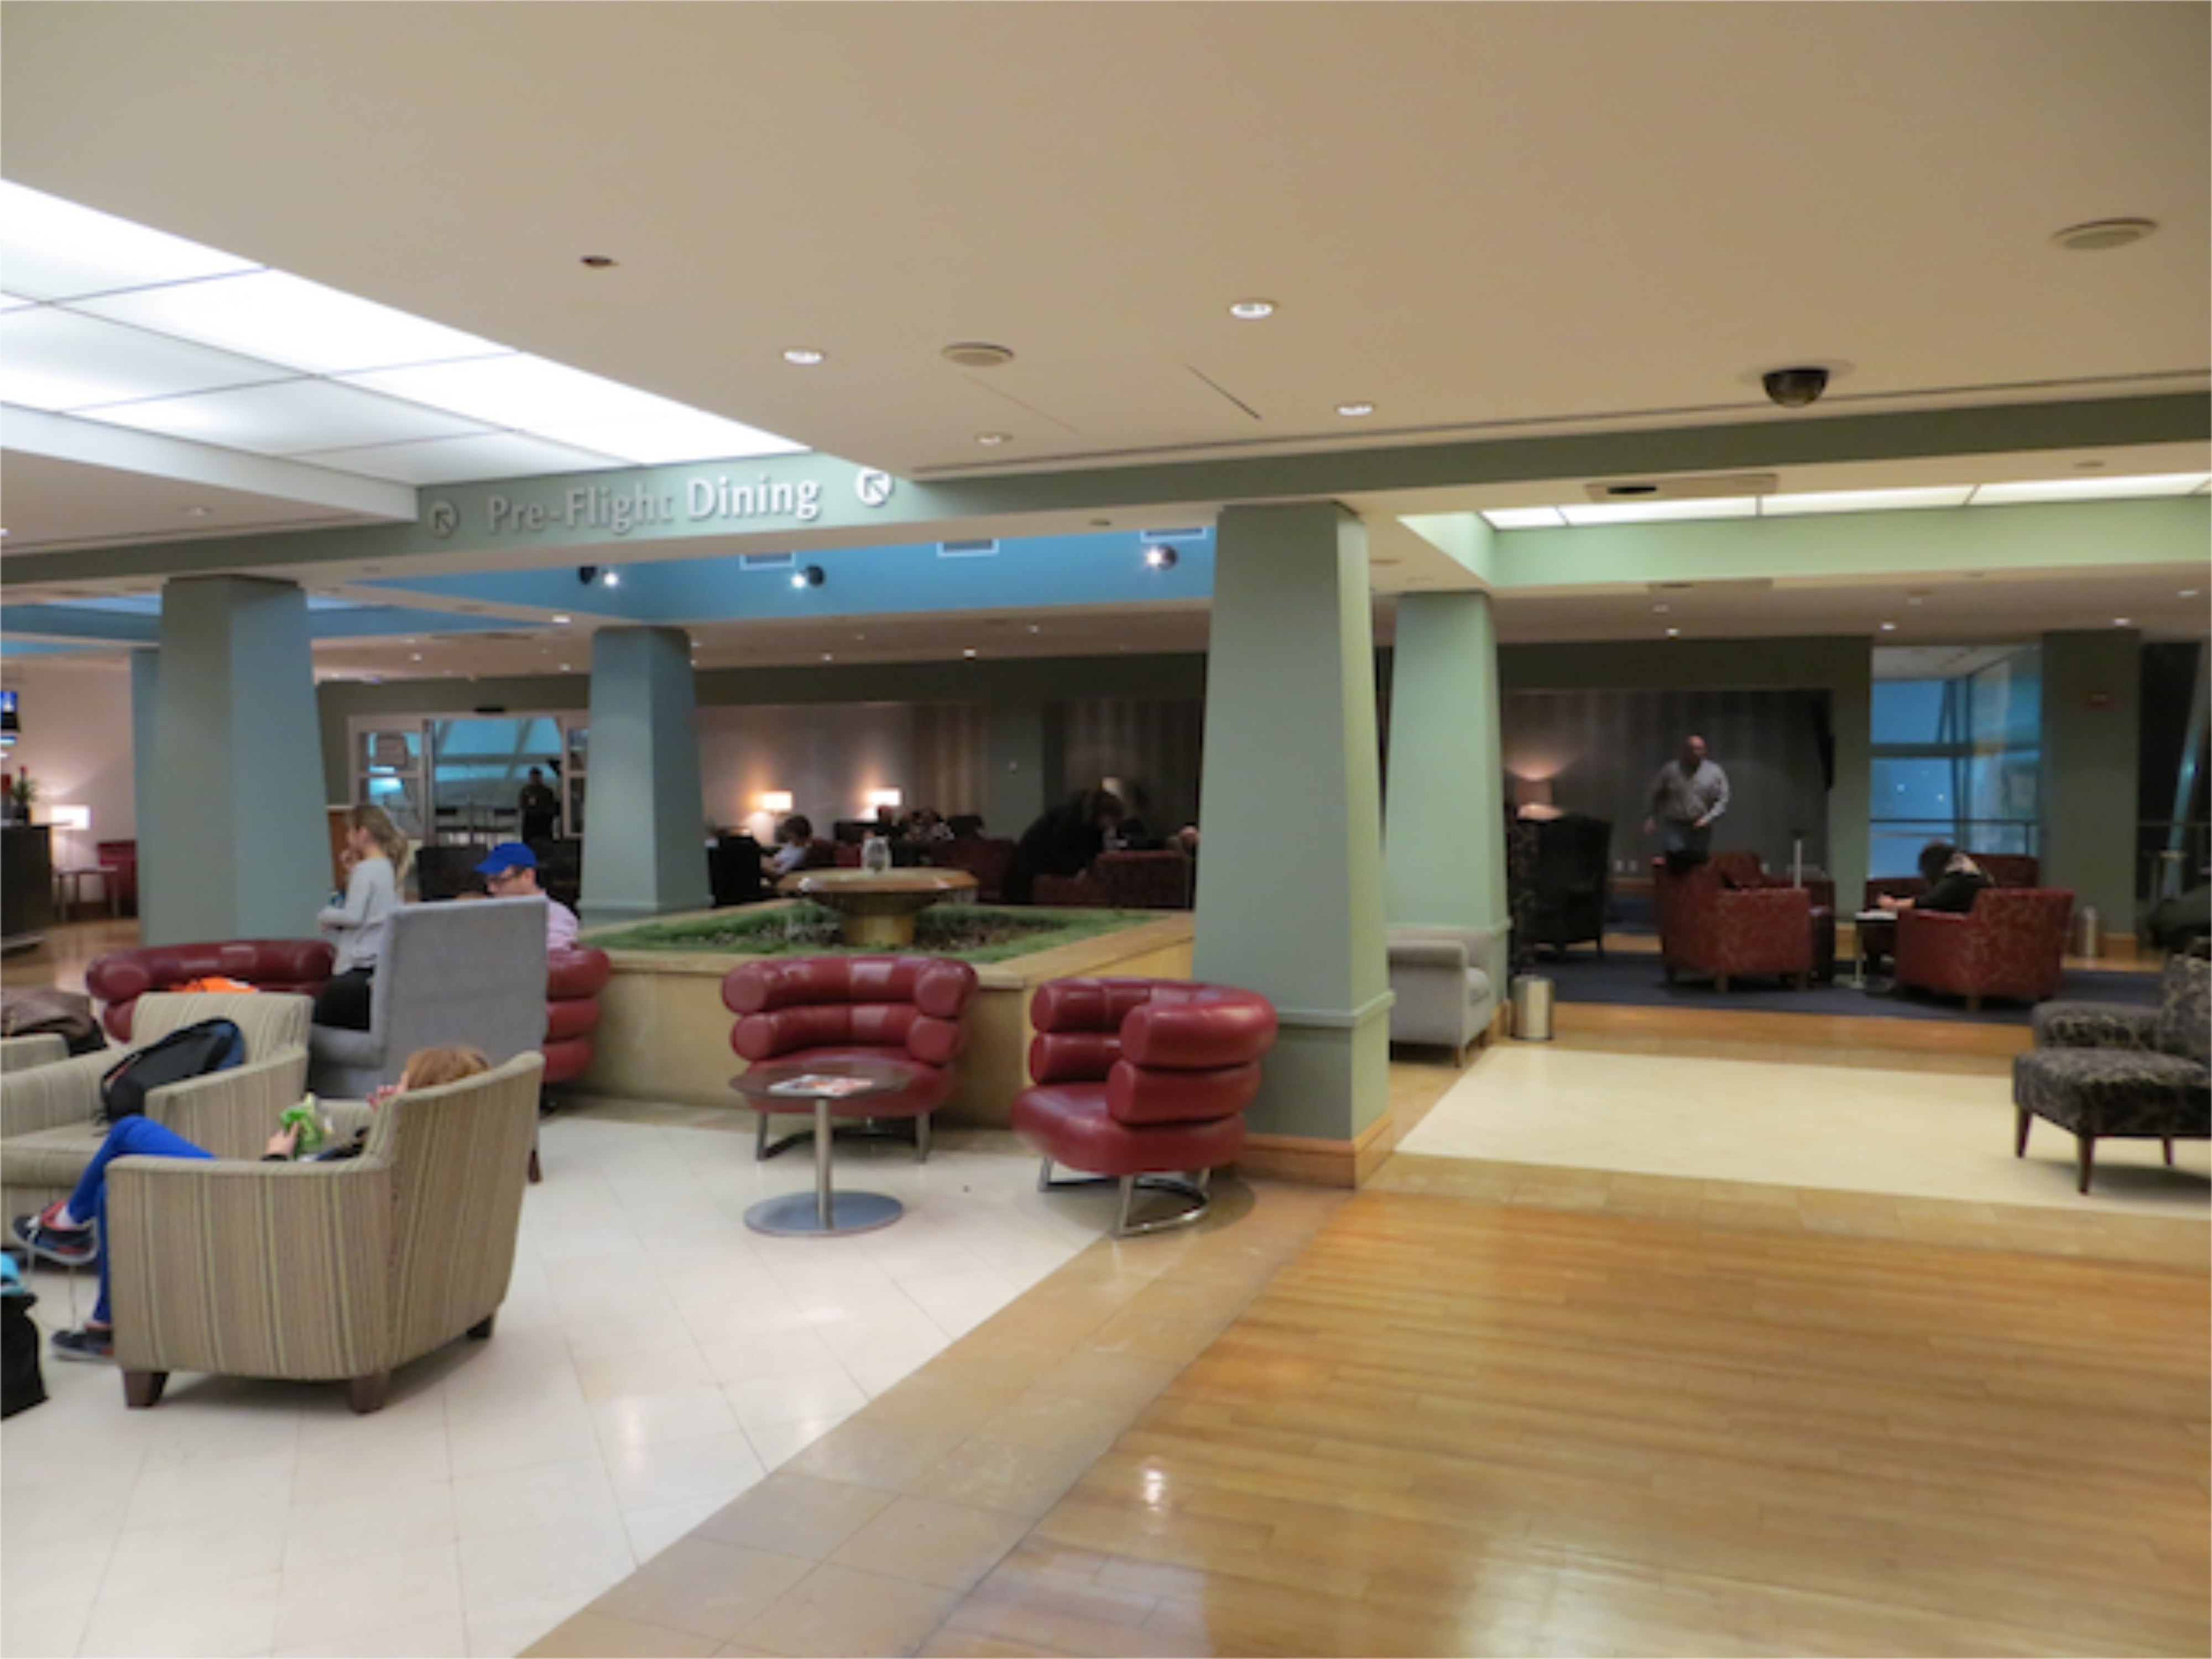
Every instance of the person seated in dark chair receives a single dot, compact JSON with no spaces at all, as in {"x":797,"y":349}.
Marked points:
{"x":1063,"y":842}
{"x":793,"y":837}
{"x":1953,"y":881}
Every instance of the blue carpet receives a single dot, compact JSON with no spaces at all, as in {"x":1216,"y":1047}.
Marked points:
{"x":1636,"y":981}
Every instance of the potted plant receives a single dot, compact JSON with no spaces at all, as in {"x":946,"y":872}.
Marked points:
{"x":20,"y":794}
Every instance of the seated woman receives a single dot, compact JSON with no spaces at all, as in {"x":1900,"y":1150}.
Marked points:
{"x":356,"y":922}
{"x":1953,"y":880}
{"x":68,"y":1232}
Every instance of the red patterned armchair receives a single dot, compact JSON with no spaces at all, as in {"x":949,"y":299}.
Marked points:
{"x":984,"y":857}
{"x":2012,"y":944}
{"x":1745,"y":869}
{"x":1709,"y":930}
{"x":811,"y":1009}
{"x":1140,"y":1082}
{"x":1123,"y":881}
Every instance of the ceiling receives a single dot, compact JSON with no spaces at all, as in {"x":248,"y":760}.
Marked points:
{"x":1492,"y":222}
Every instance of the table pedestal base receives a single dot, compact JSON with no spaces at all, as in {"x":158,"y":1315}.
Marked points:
{"x":798,"y":1215}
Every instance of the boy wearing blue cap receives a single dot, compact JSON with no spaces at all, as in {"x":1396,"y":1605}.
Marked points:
{"x":511,"y":871}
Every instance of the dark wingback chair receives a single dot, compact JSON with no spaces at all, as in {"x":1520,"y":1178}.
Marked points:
{"x":1569,"y":875}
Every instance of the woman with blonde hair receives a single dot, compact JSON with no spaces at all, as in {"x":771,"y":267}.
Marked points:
{"x":355,"y":921}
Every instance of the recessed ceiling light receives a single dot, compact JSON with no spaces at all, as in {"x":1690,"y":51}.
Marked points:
{"x":562,"y":621}
{"x":599,"y":262}
{"x":1034,"y":628}
{"x":828,"y":656}
{"x":1673,"y":633}
{"x":610,"y":578}
{"x":1251,"y":311}
{"x":977,"y":353}
{"x":418,"y":656}
{"x":1889,"y":628}
{"x":564,"y":667}
{"x":197,"y":511}
{"x":991,"y":439}
{"x":1354,"y":411}
{"x":2123,"y":622}
{"x":2187,"y":593}
{"x":970,"y":652}
{"x":2088,"y":466}
{"x":804,"y":356}
{"x":1661,"y":609}
{"x":2100,"y":235}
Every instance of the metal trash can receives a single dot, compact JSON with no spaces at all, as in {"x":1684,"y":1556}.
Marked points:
{"x":1532,"y":1008}
{"x":2088,"y":932}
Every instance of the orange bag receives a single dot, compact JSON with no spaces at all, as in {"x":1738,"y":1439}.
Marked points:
{"x":214,"y":982}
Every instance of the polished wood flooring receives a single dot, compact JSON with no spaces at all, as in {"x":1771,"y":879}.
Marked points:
{"x":1454,"y":1427}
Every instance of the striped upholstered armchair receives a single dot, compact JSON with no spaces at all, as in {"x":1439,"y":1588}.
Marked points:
{"x":49,"y":1116}
{"x":325,"y":1272}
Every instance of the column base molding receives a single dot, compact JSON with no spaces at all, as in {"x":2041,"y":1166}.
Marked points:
{"x":1309,"y":1161}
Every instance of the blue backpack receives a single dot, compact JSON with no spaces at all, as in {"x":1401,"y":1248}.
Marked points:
{"x":212,"y":1045}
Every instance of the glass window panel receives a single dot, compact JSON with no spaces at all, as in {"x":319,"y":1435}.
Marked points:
{"x":1919,"y":790}
{"x":1908,"y":711}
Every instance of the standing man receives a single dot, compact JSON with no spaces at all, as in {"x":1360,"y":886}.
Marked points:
{"x":511,"y":871}
{"x":540,"y":808}
{"x":1687,"y":795}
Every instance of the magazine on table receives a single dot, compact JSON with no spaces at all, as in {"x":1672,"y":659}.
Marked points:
{"x":821,"y":1085}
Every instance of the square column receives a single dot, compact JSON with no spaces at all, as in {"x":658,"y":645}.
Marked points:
{"x":1290,"y":901}
{"x":645,"y":835}
{"x":1444,"y":862}
{"x":232,"y":838}
{"x":2091,"y":752}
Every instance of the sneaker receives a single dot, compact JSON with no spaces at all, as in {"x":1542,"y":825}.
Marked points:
{"x":71,"y":1247}
{"x":88,"y":1343}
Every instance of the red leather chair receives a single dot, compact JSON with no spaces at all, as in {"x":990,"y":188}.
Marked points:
{"x":2011,"y":944}
{"x":573,"y":979}
{"x":810,"y":1009}
{"x":1707,"y":929}
{"x":121,"y":977}
{"x":1140,"y":1081}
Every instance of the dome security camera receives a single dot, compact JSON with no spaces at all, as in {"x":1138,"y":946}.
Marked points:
{"x":1794,"y":388}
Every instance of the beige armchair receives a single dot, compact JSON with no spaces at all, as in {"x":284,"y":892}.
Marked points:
{"x":22,"y":1054}
{"x":325,"y":1271}
{"x":50,"y":1115}
{"x":1445,"y":982}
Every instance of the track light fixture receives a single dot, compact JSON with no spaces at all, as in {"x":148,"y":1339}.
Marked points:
{"x":808,"y":575}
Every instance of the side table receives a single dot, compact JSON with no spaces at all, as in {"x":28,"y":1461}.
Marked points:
{"x":824,"y":1213}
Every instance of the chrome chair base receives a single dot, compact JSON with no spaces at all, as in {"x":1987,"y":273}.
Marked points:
{"x":1194,"y":1189}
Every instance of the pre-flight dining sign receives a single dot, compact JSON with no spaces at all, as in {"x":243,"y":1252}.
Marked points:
{"x":667,"y":500}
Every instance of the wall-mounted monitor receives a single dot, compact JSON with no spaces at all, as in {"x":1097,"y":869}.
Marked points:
{"x":9,"y":727}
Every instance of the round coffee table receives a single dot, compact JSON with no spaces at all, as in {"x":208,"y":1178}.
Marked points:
{"x":876,"y":907}
{"x":787,"y":1086}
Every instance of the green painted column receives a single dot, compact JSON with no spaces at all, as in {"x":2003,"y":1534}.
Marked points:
{"x":645,"y":827}
{"x":231,"y":836}
{"x":2092,"y":751}
{"x":1290,"y":901}
{"x":1850,"y":796}
{"x":1444,"y":820}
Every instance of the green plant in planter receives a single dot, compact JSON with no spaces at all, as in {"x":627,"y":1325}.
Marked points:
{"x":21,"y":793}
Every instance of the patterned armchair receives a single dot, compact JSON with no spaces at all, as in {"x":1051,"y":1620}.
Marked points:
{"x":49,"y":1116}
{"x":325,"y":1271}
{"x":1707,"y":929}
{"x":984,"y":857}
{"x":2012,"y":944}
{"x":1566,"y":864}
{"x":2103,"y":1070}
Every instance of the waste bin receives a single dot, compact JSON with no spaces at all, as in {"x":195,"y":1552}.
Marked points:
{"x":2088,"y":932}
{"x":1532,"y":1008}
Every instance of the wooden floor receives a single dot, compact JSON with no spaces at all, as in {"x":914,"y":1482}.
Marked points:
{"x":1457,"y":1427}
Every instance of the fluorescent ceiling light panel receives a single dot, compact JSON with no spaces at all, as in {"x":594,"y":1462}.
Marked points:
{"x":518,"y":391}
{"x":1727,"y":507}
{"x":690,"y":436}
{"x":290,"y":417}
{"x":461,"y":460}
{"x":50,"y":249}
{"x":58,"y":361}
{"x":287,"y":319}
{"x":1525,"y":518}
{"x":2087,"y":489}
{"x":1862,"y":500}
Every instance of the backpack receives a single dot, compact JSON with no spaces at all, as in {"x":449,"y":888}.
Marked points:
{"x":212,"y":1045}
{"x":22,"y":1385}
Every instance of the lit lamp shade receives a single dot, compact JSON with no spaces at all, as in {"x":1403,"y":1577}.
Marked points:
{"x":890,"y":798}
{"x":774,"y":800}
{"x":1532,"y":792}
{"x":76,"y":818}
